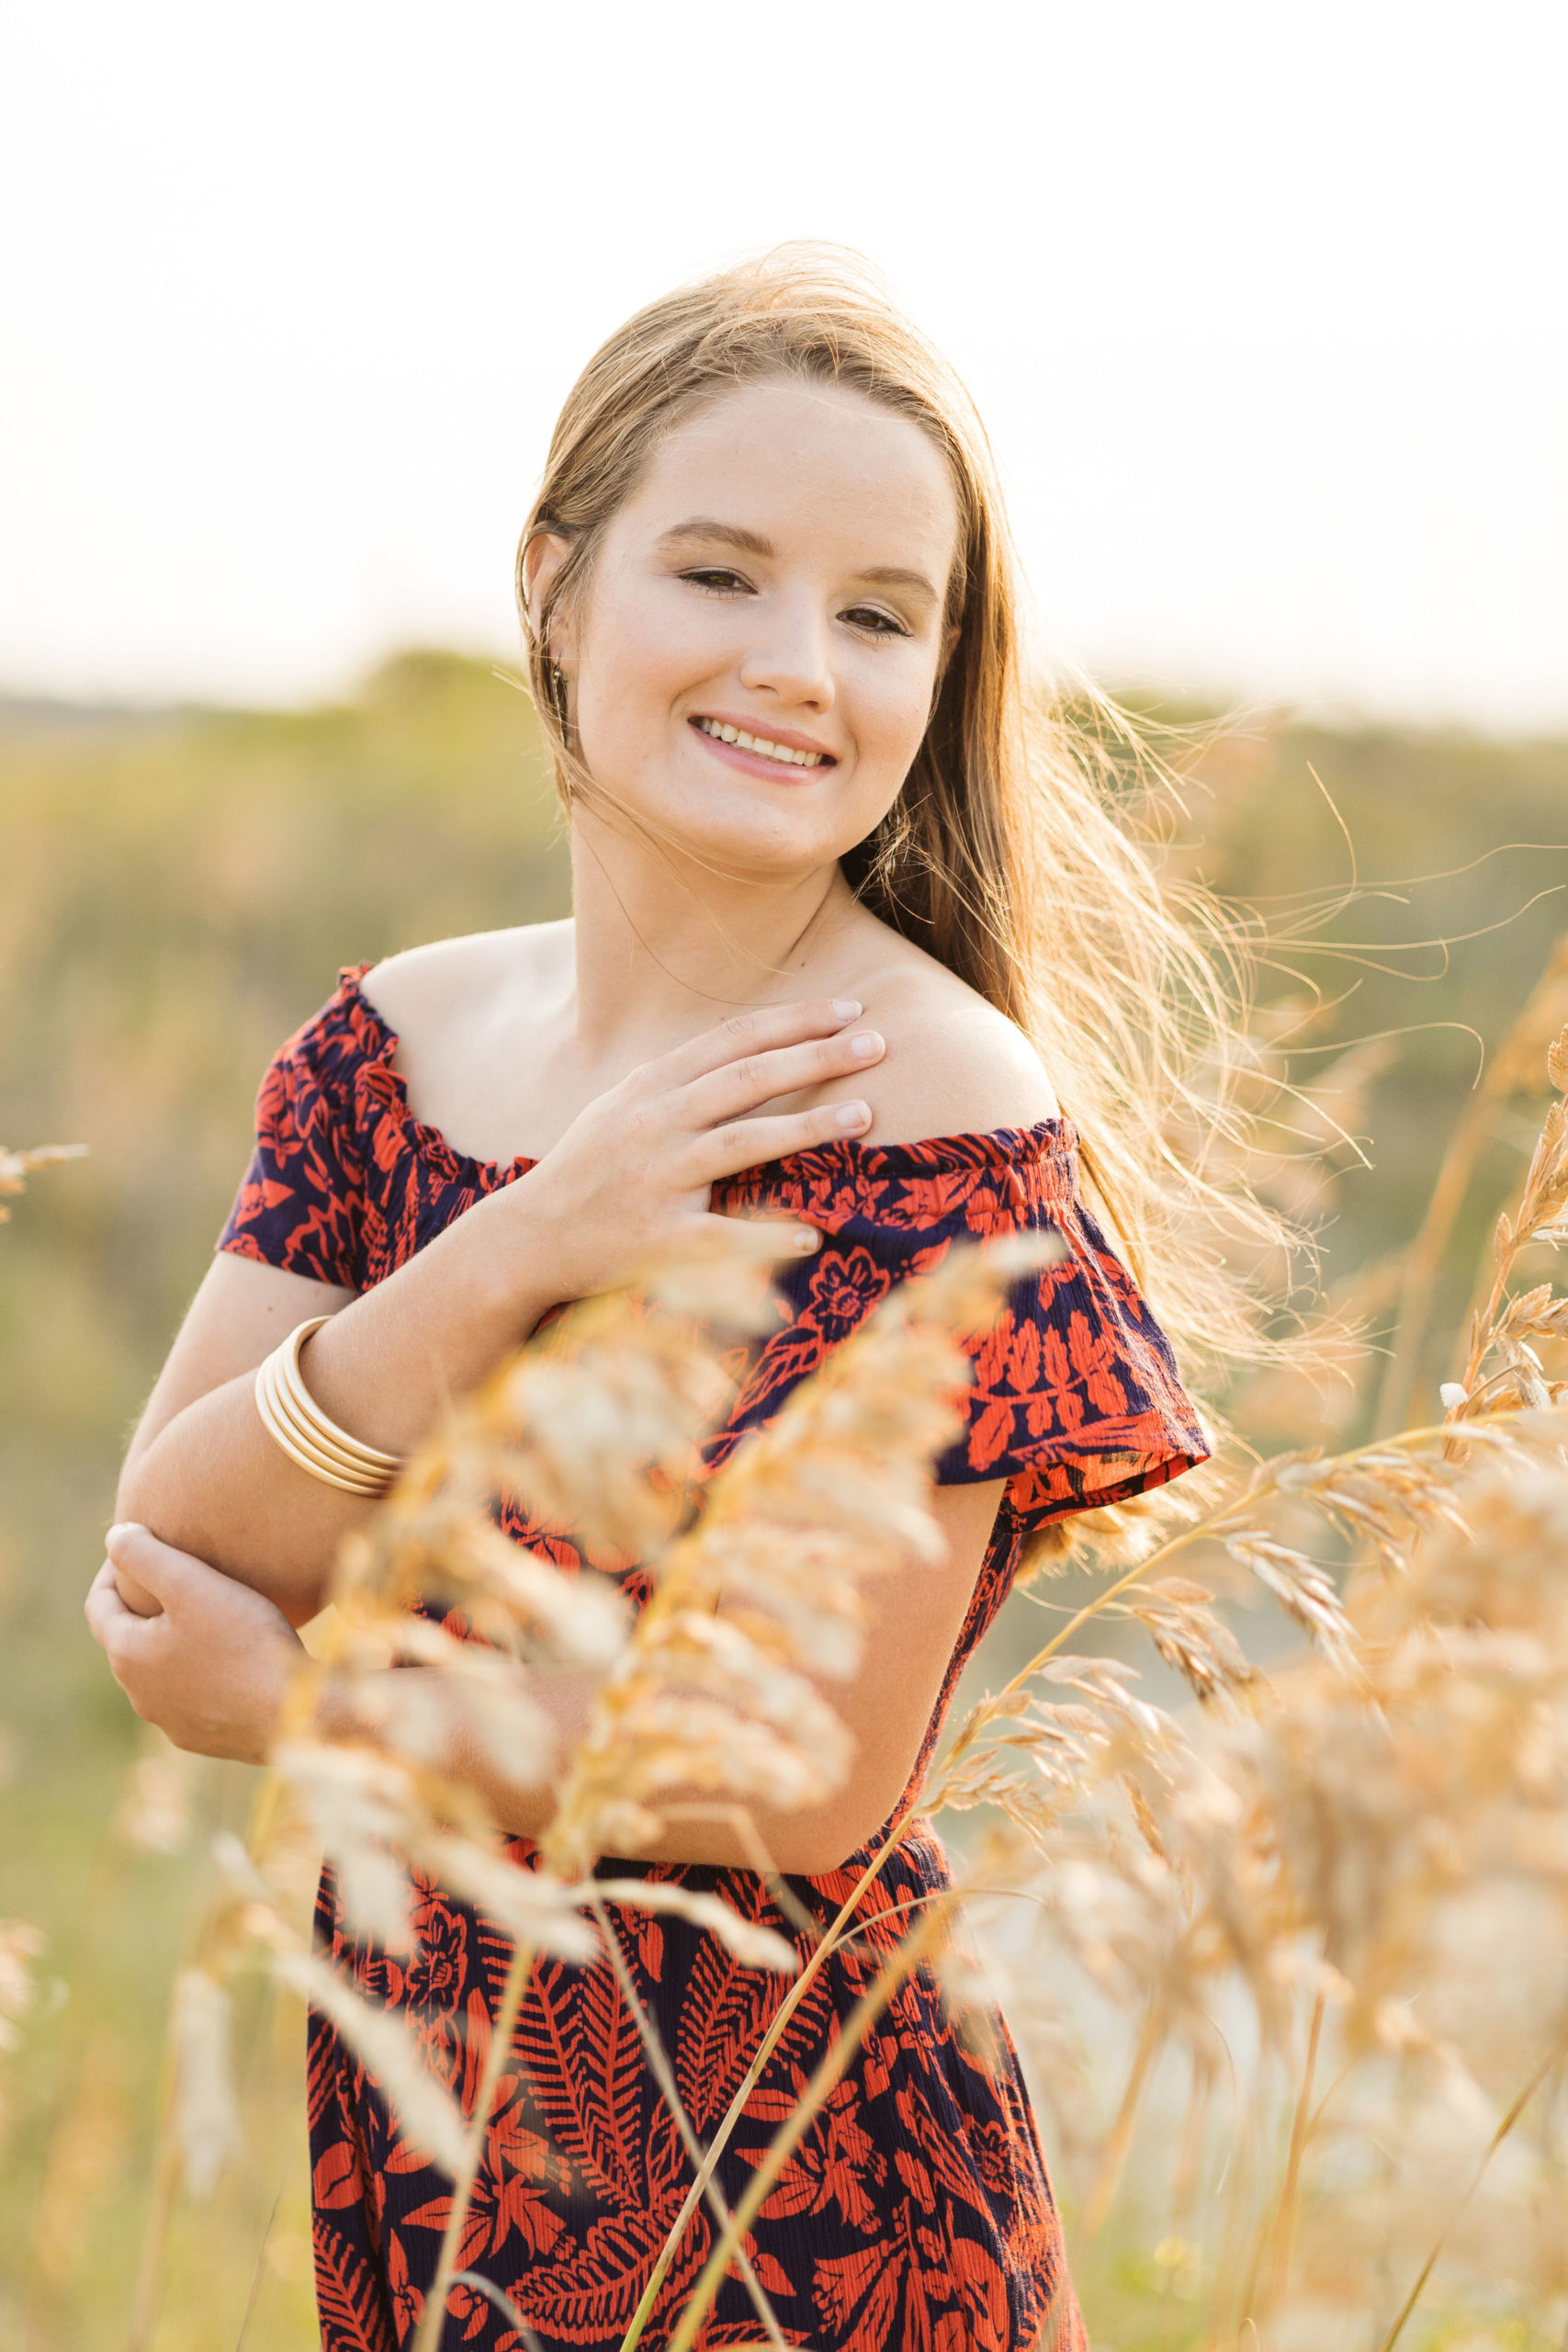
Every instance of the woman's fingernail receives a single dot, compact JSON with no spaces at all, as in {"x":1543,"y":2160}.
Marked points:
{"x":807,"y":1240}
{"x":853,"y":1114}
{"x":866,"y":1044}
{"x":121,"y":1528}
{"x":847,"y":1007}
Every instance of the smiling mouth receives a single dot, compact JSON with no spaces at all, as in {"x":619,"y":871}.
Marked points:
{"x":761,"y":746}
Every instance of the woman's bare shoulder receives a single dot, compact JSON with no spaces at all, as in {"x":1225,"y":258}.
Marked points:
{"x":425,"y":987}
{"x":955,"y":1065}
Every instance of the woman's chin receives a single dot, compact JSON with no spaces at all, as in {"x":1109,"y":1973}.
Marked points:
{"x":744,"y":856}
{"x":760,"y":845}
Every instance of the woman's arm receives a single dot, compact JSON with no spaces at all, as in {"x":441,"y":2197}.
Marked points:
{"x":628,"y":1180}
{"x":202,"y":1471}
{"x":974,"y":1072}
{"x":212,"y":1666}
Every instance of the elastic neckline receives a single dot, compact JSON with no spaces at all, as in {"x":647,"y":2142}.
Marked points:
{"x":377,"y":1043}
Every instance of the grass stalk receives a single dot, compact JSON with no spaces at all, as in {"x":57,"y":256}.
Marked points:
{"x":147,"y":2293}
{"x":663,"y":2075}
{"x":1424,"y":1259}
{"x":434,"y":2315}
{"x":1516,"y":1058}
{"x":1209,"y":1526}
{"x":1121,"y":2138}
{"x":1300,"y":2132}
{"x":1521,"y":2100}
{"x":502,"y":2302}
{"x":1242,"y":1507}
{"x":830,"y":2072}
{"x":769,"y":2043}
{"x":258,"y":2268}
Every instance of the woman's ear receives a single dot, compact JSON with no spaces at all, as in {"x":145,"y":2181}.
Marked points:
{"x":542,"y":556}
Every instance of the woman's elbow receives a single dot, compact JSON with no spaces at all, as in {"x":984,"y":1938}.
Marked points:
{"x":145,"y":1497}
{"x":135,"y":1496}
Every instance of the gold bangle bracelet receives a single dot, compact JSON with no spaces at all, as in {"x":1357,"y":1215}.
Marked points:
{"x":291,"y":1402}
{"x":306,"y":1413}
{"x":311,"y":1439}
{"x":349,"y":1479}
{"x":330,"y":1448}
{"x":302,"y":1447}
{"x":286,"y":1445}
{"x":307,"y":1436}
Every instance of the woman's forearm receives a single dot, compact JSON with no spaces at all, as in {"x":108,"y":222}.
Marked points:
{"x":213,"y":1483}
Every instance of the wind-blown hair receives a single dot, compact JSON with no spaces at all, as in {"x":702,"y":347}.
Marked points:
{"x":1008,"y":854}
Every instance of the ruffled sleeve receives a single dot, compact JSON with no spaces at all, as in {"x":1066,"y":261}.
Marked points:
{"x":1076,"y":1400}
{"x":301,"y":1204}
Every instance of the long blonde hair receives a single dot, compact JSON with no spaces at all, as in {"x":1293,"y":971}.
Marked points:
{"x":1006,"y":856}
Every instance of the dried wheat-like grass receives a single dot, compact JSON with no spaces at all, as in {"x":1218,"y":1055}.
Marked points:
{"x":15,"y":1167}
{"x":207,"y":2109}
{"x":21,"y":1943}
{"x":708,"y":1696}
{"x":1334,"y":1864}
{"x":713,"y":1693}
{"x":155,"y":1809}
{"x":1503,"y":1330}
{"x":1366,"y":1855}
{"x":1516,"y":1069}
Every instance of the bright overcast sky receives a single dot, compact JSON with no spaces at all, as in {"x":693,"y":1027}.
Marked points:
{"x":1266,"y":308}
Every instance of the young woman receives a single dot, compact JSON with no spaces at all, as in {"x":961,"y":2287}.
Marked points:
{"x":846,"y":923}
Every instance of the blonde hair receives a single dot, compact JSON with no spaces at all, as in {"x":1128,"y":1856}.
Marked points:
{"x":1008,"y":854}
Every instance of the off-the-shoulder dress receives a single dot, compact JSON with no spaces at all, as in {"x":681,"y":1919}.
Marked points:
{"x":918,"y":2210}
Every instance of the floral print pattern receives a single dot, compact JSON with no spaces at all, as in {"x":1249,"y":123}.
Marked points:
{"x":916,"y":2211}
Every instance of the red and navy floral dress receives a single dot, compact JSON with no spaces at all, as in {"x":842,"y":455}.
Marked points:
{"x":917,"y":2212}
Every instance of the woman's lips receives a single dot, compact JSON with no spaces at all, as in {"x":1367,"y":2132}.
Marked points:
{"x":759,"y":763}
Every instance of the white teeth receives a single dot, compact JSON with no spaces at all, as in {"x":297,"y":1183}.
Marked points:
{"x":745,"y":743}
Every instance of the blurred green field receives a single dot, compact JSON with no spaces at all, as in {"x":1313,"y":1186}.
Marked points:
{"x":176,"y":893}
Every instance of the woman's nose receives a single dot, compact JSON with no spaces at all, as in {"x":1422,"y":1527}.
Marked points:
{"x":790,"y":658}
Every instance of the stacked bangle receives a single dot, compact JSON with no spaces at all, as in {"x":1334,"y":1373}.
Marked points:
{"x":294,"y":1421}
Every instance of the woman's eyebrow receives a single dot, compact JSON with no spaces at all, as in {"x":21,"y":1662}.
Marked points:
{"x":896,"y":575}
{"x":732,"y":535}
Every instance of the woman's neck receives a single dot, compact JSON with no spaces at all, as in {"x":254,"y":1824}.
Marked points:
{"x":665,"y":946}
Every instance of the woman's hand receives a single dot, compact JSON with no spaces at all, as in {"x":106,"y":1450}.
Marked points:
{"x":630,"y":1177}
{"x":211,"y":1666}
{"x":627,"y":1183}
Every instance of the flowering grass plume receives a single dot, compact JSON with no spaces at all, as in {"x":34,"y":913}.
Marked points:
{"x":21,"y":1943}
{"x":707,"y":1699}
{"x":1353,"y":1867}
{"x":713,"y":1693}
{"x":15,"y":1167}
{"x":1327,"y":1897}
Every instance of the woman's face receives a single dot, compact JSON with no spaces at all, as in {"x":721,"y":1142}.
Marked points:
{"x":780,"y":572}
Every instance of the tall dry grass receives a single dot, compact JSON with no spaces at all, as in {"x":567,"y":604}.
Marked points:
{"x":21,"y":1943}
{"x":1319,"y":1912}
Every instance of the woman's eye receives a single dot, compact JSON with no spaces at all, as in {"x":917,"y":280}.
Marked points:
{"x":714,"y":580}
{"x":880,"y":624}
{"x":717,"y":580}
